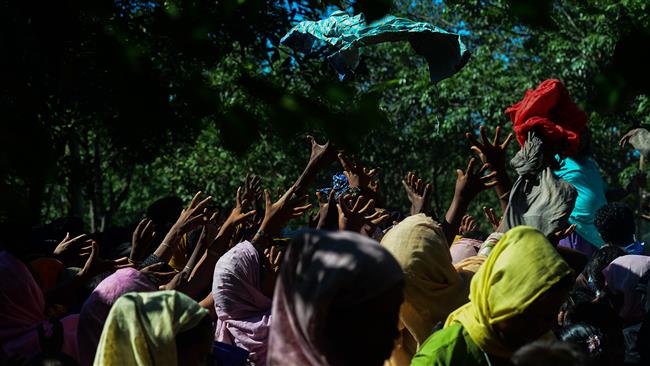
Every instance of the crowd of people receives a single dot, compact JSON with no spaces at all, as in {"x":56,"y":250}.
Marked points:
{"x":561,"y":280}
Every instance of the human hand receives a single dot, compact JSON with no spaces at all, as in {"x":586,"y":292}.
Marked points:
{"x":142,"y":239}
{"x":418,"y":193}
{"x":95,"y":265}
{"x":70,"y":249}
{"x":467,"y":224}
{"x":354,"y":213}
{"x":321,"y":154}
{"x":555,"y":237}
{"x":273,"y":258}
{"x":471,"y":182}
{"x":251,"y":191}
{"x":492,"y":218}
{"x":278,"y":214}
{"x":328,"y":215}
{"x":493,"y":153}
{"x":237,"y":215}
{"x":626,"y":138}
{"x":360,"y":177}
{"x":190,"y":218}
{"x":154,"y":272}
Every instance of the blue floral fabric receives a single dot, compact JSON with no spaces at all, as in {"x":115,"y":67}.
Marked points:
{"x":339,"y":38}
{"x":340,"y":185}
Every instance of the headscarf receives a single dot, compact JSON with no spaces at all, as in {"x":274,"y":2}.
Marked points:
{"x":243,"y":311}
{"x":142,"y":327}
{"x":550,"y":111}
{"x":470,"y":265}
{"x":47,"y":271}
{"x":96,"y":308}
{"x":323,"y":270}
{"x":433,"y":288}
{"x":22,"y":313}
{"x":622,"y":277}
{"x":464,"y":248}
{"x":520,"y":269}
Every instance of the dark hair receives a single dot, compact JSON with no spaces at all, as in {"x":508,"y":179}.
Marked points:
{"x":574,"y":302}
{"x":593,"y":341}
{"x":165,"y":209}
{"x":51,"y":359}
{"x":549,"y":353}
{"x":598,"y":261}
{"x":615,"y":223}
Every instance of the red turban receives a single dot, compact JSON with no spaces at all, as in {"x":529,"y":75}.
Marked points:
{"x":550,"y":111}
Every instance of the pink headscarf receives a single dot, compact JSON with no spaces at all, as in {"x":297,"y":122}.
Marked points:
{"x":22,"y":312}
{"x":323,"y":270}
{"x":96,"y":308}
{"x":243,"y":311}
{"x":464,"y":248}
{"x":622,"y":277}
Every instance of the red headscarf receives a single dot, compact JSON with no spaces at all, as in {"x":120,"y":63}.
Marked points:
{"x":550,"y":111}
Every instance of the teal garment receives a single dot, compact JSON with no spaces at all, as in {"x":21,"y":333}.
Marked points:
{"x":450,"y":346}
{"x":340,"y":37}
{"x":584,"y":175}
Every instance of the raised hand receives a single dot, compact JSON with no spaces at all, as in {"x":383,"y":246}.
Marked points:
{"x":95,"y":265}
{"x":237,"y":215}
{"x":467,"y":224}
{"x":251,"y":192}
{"x":418,"y":193}
{"x":321,"y":153}
{"x":154,"y":272}
{"x":278,"y":214}
{"x":69,"y":249}
{"x":359,"y":177}
{"x":494,"y":152}
{"x":141,"y":241}
{"x":354,"y":213}
{"x":555,"y":237}
{"x":190,"y":218}
{"x":273,"y":258}
{"x":193,"y":216}
{"x":626,"y":138}
{"x":328,"y":214}
{"x":471,"y":182}
{"x":492,"y":218}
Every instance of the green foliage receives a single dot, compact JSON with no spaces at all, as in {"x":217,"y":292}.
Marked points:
{"x":193,"y":95}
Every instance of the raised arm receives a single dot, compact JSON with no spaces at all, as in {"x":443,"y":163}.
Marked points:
{"x":468,"y":184}
{"x":494,"y":153}
{"x":190,"y":218}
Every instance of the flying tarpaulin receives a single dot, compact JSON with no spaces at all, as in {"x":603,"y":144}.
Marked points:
{"x":340,"y":37}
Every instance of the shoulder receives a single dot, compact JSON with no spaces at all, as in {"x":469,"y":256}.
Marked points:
{"x":445,"y":347}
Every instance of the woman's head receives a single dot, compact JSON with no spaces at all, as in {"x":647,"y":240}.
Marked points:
{"x":144,"y":328}
{"x":336,"y":301}
{"x":544,"y":353}
{"x":537,"y":319}
{"x":624,"y":286}
{"x":516,"y":294}
{"x":433,"y":288}
{"x":598,"y":261}
{"x":615,"y":223}
{"x":595,"y":342}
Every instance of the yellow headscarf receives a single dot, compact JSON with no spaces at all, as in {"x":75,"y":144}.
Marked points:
{"x":522,"y":267}
{"x":142,"y":327}
{"x":433,"y":288}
